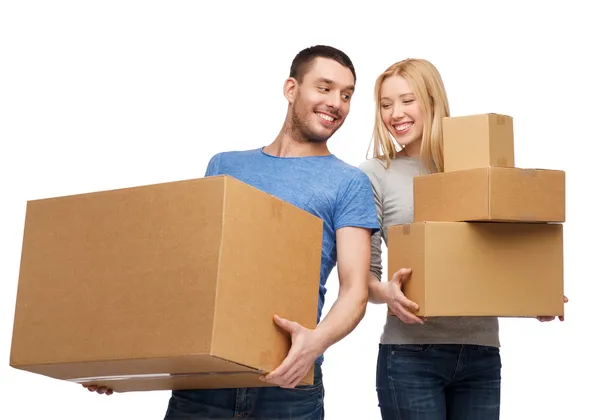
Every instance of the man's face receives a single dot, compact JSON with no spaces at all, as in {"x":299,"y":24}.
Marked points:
{"x":322,"y":100}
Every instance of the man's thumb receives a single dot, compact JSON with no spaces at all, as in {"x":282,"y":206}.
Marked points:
{"x":284,"y":323}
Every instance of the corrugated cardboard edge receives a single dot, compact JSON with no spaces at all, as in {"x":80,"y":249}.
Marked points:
{"x":227,"y":181}
{"x":489,"y":193}
{"x":212,"y":337}
{"x":152,"y":376}
{"x":12,"y":362}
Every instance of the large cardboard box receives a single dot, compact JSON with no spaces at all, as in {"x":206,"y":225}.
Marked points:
{"x":166,"y":286}
{"x":478,"y":141}
{"x":491,"y":194}
{"x":480,"y":269}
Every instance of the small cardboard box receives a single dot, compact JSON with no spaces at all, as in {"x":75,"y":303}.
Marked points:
{"x":480,"y":269}
{"x":491,"y":194}
{"x":166,"y":286}
{"x":478,"y":141}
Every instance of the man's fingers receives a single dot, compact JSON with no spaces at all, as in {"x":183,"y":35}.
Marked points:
{"x":285,"y":379}
{"x":296,"y":380}
{"x":98,"y":389}
{"x":286,"y":324}
{"x":292,"y":379}
{"x":282,"y":371}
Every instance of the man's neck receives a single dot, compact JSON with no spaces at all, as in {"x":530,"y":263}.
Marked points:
{"x":286,"y":145}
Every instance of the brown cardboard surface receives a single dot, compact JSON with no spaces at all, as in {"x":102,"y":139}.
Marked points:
{"x":182,"y":381}
{"x":138,"y":367}
{"x":480,"y":269}
{"x":175,"y":278}
{"x":491,"y":194}
{"x":478,"y":141}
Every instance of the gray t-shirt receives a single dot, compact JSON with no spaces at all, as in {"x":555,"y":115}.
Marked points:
{"x":393,"y":191}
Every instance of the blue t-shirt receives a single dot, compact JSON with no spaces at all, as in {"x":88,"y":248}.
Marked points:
{"x":340,"y":194}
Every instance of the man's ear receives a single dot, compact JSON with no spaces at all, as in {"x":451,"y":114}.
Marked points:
{"x":290,"y":89}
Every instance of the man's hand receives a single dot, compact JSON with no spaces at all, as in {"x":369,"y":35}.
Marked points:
{"x":99,"y":389}
{"x":551,"y":318}
{"x":398,"y":303}
{"x":305,"y":349}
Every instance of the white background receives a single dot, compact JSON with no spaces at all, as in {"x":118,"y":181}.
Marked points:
{"x":97,"y":95}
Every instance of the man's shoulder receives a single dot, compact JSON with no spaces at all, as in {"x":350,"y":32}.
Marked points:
{"x":234,"y":154}
{"x":347,"y":171}
{"x":224,"y":162}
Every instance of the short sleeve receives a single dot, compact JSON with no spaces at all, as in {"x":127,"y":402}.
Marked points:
{"x":212,"y":168}
{"x":356,"y":205}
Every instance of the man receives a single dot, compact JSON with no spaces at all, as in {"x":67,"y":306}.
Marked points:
{"x":297,"y":167}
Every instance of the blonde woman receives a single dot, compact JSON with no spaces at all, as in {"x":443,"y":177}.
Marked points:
{"x":440,"y":368}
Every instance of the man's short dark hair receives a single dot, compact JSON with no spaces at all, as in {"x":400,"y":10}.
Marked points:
{"x":303,"y":60}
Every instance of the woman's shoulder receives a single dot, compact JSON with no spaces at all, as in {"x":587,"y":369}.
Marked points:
{"x":374,"y":165}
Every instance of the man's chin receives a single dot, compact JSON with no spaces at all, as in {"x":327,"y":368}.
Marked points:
{"x":318,"y":140}
{"x":322,"y":135}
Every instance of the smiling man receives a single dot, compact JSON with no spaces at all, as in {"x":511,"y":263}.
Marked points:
{"x":297,"y":167}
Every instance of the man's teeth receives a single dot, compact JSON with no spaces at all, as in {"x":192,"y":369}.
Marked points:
{"x":325,"y":117}
{"x":402,"y":127}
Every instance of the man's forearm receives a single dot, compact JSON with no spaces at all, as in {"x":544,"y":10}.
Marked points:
{"x":344,"y":315}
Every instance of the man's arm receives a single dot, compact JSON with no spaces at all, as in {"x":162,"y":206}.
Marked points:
{"x":354,"y":220}
{"x":353,"y":272}
{"x":353,"y":245}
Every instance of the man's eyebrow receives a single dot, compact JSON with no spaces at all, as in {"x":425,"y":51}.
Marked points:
{"x":325,"y":80}
{"x":331,"y":82}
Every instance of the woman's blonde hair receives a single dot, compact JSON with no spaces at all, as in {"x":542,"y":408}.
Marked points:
{"x":427,"y":85}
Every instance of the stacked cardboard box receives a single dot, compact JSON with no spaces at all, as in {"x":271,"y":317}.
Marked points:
{"x":487,"y":237}
{"x":166,"y":286}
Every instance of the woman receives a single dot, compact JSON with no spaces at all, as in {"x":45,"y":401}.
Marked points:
{"x":440,"y":368}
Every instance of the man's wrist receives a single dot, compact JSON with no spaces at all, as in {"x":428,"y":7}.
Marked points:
{"x":321,"y":340}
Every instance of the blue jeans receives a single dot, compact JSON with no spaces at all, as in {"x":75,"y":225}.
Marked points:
{"x":301,"y":403}
{"x":438,"y":382}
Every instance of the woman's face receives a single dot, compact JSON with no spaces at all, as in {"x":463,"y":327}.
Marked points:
{"x":401,"y":113}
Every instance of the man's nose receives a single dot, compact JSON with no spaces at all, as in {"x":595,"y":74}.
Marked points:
{"x":334,"y":101}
